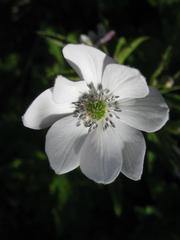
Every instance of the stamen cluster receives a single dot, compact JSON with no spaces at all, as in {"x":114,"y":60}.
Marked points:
{"x":95,"y":107}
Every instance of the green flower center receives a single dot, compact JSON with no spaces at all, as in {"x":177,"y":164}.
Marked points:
{"x":96,"y":109}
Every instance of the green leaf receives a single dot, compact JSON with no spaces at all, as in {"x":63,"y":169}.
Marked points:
{"x":173,"y":101}
{"x":121,"y":54}
{"x":55,"y":38}
{"x":147,"y":211}
{"x":121,"y":43}
{"x":162,"y":65}
{"x":52,"y":35}
{"x":152,"y":137}
{"x":71,"y":38}
{"x":60,"y":186}
{"x":174,"y":127}
{"x":151,"y":160}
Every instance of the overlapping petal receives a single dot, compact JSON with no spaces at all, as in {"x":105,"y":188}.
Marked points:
{"x":66,"y":91}
{"x":133,"y":151}
{"x":101,"y":155}
{"x":148,"y":114}
{"x":87,"y":61}
{"x":63,"y":143}
{"x":43,"y":111}
{"x":124,"y":81}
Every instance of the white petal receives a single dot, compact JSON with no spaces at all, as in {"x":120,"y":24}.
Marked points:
{"x":43,"y":111}
{"x":125,"y":82}
{"x":101,"y":155}
{"x":66,"y":91}
{"x":63,"y":144}
{"x":87,"y":61}
{"x":148,"y":114}
{"x":133,"y":151}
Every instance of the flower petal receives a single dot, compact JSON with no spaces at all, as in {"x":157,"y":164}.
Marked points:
{"x":63,"y":143}
{"x":125,"y":82}
{"x":101,"y":155}
{"x":66,"y":91}
{"x":148,"y":114}
{"x":133,"y":151}
{"x":43,"y":111}
{"x":87,"y":61}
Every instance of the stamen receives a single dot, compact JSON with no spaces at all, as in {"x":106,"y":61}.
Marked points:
{"x":90,"y":85}
{"x":117,"y":110}
{"x":106,"y":91}
{"x":93,"y":126}
{"x":95,"y":107}
{"x":105,"y":126}
{"x":112,"y":124}
{"x":99,"y":86}
{"x":78,"y":124}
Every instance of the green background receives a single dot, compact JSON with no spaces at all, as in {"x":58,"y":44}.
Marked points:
{"x":36,"y":203}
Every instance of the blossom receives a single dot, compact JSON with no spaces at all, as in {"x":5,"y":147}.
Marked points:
{"x":96,"y":121}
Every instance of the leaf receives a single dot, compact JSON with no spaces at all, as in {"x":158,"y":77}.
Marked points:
{"x":57,"y":39}
{"x":60,"y":186}
{"x":174,"y":127}
{"x":169,"y":90}
{"x":162,"y":65}
{"x":151,"y":157}
{"x":176,"y":76}
{"x":121,"y":42}
{"x":71,"y":38}
{"x":152,"y":137}
{"x":148,"y":211}
{"x":173,"y":101}
{"x":122,"y":55}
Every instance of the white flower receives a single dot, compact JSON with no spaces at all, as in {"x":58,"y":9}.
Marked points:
{"x":96,"y":121}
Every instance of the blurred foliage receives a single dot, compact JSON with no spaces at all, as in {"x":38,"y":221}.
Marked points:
{"x":124,"y":50}
{"x":34,"y":201}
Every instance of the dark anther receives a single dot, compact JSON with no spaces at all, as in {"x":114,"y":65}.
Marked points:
{"x":99,"y":86}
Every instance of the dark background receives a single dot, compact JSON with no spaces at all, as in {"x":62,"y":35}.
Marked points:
{"x":34,"y":202}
